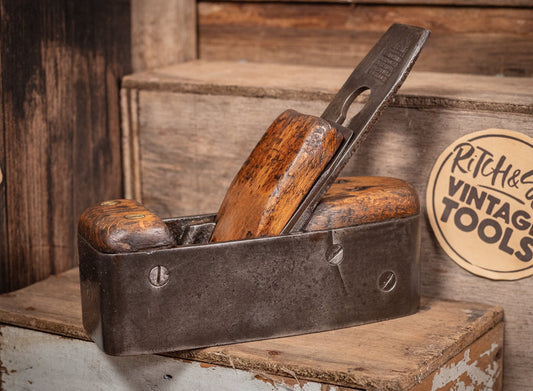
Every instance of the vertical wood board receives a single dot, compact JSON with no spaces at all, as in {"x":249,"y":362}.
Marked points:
{"x":61,"y":63}
{"x":4,"y":267}
{"x":163,"y":32}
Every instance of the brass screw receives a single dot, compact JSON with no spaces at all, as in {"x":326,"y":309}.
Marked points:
{"x":109,"y":203}
{"x":159,"y":276}
{"x":335,"y":255}
{"x":135,"y":216}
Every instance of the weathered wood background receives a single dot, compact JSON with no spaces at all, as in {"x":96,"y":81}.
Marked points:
{"x":60,"y":68}
{"x":194,"y":125}
{"x":61,"y":63}
{"x":163,"y":32}
{"x":467,"y":37}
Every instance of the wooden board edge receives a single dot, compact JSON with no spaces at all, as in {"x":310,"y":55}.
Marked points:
{"x":465,"y":3}
{"x":491,"y":317}
{"x":129,"y":101}
{"x":471,"y":362}
{"x":432,"y":102}
{"x":48,"y":326}
{"x":414,"y":94}
{"x":482,"y":324}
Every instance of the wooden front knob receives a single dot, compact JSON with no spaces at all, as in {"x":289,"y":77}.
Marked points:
{"x":119,"y":226}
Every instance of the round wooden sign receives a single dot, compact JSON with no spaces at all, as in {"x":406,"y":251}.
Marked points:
{"x":480,"y":203}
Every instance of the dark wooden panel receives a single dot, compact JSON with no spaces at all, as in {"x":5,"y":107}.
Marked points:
{"x":474,"y":40}
{"x":61,"y":62}
{"x":3,"y":207}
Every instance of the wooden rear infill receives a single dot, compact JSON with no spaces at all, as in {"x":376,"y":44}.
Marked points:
{"x":362,"y":200}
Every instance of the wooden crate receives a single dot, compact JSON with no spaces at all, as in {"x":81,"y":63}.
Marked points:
{"x":188,"y":128}
{"x":445,"y":345}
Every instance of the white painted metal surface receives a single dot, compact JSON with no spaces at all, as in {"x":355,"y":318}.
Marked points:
{"x":32,"y":360}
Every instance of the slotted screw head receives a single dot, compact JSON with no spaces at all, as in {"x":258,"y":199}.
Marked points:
{"x":159,"y":276}
{"x":335,"y":255}
{"x":135,"y":216}
{"x":387,"y":281}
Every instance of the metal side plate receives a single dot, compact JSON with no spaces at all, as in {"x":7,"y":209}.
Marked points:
{"x":200,"y":295}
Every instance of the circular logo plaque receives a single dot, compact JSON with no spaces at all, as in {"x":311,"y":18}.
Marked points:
{"x":480,"y":203}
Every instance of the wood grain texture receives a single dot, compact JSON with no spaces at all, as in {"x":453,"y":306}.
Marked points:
{"x":361,"y":200}
{"x":385,"y":356}
{"x":321,"y":83}
{"x":60,"y":64}
{"x":129,"y":103}
{"x":118,"y":226}
{"x":276,"y":177}
{"x":52,"y":305}
{"x":200,"y":155}
{"x":476,"y":40}
{"x":478,"y":366}
{"x":163,"y":32}
{"x":482,"y":3}
{"x":4,"y":266}
{"x":391,"y":355}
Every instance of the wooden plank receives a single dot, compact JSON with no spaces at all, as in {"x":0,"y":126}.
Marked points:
{"x":387,"y":355}
{"x":19,"y":116}
{"x":490,"y":41}
{"x":61,"y":66}
{"x":479,"y":365}
{"x":163,"y":32}
{"x":52,"y":305}
{"x":375,"y":356}
{"x":312,"y":83}
{"x":481,"y":3}
{"x":4,"y":268}
{"x":129,"y":103}
{"x":198,"y":122}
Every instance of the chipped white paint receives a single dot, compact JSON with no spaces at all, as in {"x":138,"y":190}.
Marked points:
{"x":31,"y":360}
{"x":448,"y":377}
{"x":493,"y":347}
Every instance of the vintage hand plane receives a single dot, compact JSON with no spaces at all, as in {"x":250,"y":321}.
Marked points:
{"x":292,"y":250}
